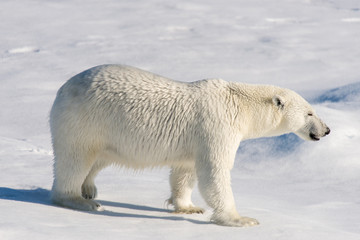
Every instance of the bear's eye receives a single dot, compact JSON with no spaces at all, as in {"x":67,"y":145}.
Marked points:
{"x":310,"y":114}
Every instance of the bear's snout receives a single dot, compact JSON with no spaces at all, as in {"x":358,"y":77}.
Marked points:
{"x":316,"y":137}
{"x":327,"y":131}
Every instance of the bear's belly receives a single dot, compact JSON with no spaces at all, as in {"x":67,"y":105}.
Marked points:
{"x":145,"y":159}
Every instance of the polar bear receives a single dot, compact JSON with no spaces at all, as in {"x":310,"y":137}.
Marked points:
{"x":115,"y":114}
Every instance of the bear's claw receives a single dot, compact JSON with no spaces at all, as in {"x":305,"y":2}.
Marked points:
{"x":89,"y":191}
{"x":189,"y":210}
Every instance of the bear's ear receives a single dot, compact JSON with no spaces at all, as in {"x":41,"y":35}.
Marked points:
{"x":278,"y":101}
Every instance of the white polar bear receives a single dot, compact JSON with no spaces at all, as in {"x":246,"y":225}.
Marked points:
{"x":116,"y":114}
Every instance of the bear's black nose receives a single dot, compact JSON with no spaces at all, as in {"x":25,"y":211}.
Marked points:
{"x":327,"y":131}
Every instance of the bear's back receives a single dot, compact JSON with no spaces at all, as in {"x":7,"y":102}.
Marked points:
{"x":120,"y":78}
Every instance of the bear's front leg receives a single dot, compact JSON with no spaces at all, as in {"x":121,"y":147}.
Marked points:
{"x":182,"y":181}
{"x":215,"y":186}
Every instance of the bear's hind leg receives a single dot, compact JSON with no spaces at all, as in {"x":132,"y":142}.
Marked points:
{"x":182,"y":181}
{"x":88,"y":188}
{"x":69,"y":174}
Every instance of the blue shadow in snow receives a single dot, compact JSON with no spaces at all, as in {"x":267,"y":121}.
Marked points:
{"x":280,"y":146}
{"x":42,"y":196}
{"x":38,"y":195}
{"x":133,"y":206}
{"x":142,"y":208}
{"x":350,"y":92}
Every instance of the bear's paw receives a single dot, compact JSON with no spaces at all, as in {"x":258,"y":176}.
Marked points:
{"x":189,"y":210}
{"x":89,"y":191}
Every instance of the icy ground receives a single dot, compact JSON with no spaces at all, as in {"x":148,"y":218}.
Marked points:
{"x":296,"y":189}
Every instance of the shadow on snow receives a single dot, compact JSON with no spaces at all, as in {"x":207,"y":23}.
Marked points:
{"x":42,"y":196}
{"x":257,"y":150}
{"x":38,"y":195}
{"x":350,"y":92}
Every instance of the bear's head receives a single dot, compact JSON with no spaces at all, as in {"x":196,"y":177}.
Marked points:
{"x":299,"y":117}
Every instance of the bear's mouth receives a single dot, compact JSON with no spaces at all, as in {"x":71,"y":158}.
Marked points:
{"x":314,"y":137}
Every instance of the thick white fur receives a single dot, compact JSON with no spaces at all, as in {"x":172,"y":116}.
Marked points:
{"x":116,"y":114}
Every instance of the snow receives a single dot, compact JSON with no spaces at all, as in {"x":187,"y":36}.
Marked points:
{"x":296,"y":189}
{"x":345,"y":93}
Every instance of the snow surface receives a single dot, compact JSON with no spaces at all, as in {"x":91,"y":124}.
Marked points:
{"x":296,"y":189}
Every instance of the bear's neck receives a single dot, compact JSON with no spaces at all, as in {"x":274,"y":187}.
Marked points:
{"x":256,"y":114}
